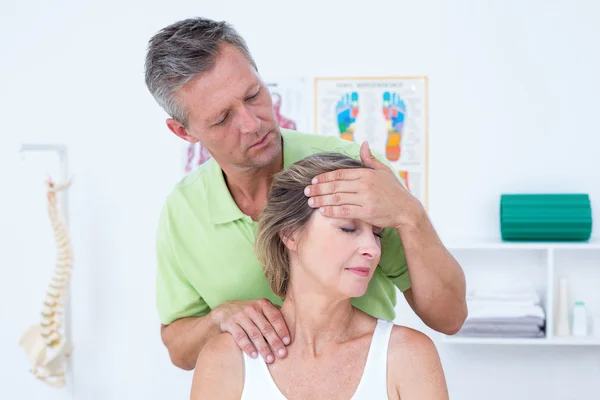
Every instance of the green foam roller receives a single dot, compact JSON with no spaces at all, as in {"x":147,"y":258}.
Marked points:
{"x":550,"y":217}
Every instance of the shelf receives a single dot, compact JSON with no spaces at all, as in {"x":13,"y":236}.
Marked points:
{"x":492,"y":260}
{"x":576,"y":341}
{"x":567,"y":341}
{"x":497,"y":243}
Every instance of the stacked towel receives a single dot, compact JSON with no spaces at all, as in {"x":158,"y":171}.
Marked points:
{"x":509,"y":312}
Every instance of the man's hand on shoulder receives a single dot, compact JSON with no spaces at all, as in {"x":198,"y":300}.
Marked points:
{"x":219,"y":370}
{"x":415,"y":365}
{"x":257,"y":327}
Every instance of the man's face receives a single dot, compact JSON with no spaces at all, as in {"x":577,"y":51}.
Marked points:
{"x":231,"y":113}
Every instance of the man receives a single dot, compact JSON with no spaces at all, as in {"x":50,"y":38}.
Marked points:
{"x":208,"y":279}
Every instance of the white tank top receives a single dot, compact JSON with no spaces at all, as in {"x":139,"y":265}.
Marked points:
{"x":259,"y":383}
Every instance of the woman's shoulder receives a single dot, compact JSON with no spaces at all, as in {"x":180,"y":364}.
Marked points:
{"x":404,"y":338}
{"x":414,"y":364}
{"x":221,"y":351}
{"x":219,"y":367}
{"x":410,"y":344}
{"x":223,"y":343}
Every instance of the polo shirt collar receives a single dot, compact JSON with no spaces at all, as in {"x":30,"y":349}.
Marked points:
{"x":222,"y":207}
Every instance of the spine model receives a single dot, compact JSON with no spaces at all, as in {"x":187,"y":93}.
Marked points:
{"x":45,"y":344}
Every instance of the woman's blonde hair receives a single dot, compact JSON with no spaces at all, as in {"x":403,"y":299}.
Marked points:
{"x":287,"y":212}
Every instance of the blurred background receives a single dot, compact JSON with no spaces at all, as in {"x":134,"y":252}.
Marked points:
{"x":512,"y":108}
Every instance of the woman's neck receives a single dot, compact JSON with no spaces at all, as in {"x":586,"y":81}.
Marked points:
{"x":315,"y":320}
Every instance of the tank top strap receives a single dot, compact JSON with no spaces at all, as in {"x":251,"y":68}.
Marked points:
{"x":258,"y":381}
{"x":373,"y":384}
{"x":379,"y":344}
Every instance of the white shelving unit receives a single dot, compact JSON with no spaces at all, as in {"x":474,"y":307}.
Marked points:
{"x":542,"y":263}
{"x":570,"y":341}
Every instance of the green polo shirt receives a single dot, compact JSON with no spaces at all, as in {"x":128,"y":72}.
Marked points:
{"x":205,"y":243}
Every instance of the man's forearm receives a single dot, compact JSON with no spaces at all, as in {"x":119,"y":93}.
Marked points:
{"x":185,"y":338}
{"x":437,"y":280}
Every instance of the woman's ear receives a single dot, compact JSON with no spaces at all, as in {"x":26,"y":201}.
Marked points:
{"x":289,"y":241}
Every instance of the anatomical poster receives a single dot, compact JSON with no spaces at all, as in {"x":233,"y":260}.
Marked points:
{"x":390,"y":113}
{"x":290,"y":105}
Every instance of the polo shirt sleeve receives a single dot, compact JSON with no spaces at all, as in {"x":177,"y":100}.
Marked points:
{"x":393,"y":260}
{"x":175,"y":296}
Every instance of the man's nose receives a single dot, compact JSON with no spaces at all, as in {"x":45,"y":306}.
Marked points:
{"x":249,"y":122}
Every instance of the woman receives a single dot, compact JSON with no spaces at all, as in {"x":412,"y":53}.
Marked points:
{"x":317,"y":264}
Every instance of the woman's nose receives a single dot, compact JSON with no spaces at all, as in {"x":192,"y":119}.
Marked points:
{"x":370,"y":246}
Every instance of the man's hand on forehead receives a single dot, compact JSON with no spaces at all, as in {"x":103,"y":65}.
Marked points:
{"x":373,"y":194}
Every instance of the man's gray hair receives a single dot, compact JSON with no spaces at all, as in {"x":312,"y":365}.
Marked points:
{"x":181,"y":51}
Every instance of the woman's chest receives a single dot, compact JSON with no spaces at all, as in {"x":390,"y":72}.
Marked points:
{"x":335,"y":378}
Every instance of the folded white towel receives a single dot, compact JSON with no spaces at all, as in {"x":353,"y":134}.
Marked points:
{"x":510,"y":302}
{"x":518,"y":291}
{"x":486,"y":321}
{"x":501,"y":328}
{"x":488,"y":309}
{"x":503,"y":335}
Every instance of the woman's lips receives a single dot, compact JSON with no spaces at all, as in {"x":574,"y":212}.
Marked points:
{"x":360,"y":271}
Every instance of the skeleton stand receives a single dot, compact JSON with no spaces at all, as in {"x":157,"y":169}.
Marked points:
{"x":30,"y":341}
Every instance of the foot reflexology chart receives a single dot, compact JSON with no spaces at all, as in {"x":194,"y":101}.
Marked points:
{"x":389,"y":113}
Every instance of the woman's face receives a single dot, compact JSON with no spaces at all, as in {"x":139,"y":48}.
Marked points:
{"x":335,"y":256}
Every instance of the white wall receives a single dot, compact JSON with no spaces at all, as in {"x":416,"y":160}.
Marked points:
{"x":513,"y":107}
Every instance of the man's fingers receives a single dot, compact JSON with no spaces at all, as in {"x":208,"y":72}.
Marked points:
{"x":273,"y":315}
{"x":349,"y":174}
{"x":257,"y":338}
{"x":320,"y":189}
{"x":367,"y":158}
{"x":336,"y":199}
{"x":269,"y":333}
{"x":243,"y":341}
{"x":345,"y":211}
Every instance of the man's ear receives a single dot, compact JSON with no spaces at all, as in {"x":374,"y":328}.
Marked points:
{"x":289,"y":241}
{"x":179,"y":130}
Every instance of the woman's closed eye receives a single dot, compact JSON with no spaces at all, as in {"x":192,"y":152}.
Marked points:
{"x":377,"y":233}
